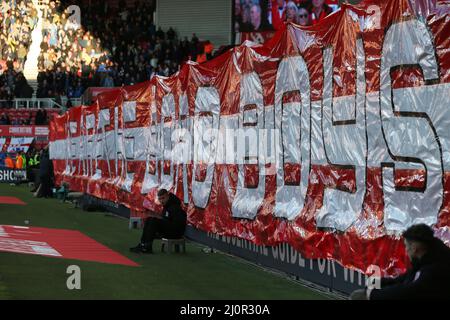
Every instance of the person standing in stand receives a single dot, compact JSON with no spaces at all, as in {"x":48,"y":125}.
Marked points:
{"x":45,"y":175}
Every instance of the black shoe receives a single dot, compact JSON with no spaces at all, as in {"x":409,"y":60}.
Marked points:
{"x":147,"y":250}
{"x":137,"y":249}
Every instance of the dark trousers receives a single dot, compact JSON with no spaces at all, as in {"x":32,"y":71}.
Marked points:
{"x":46,"y":187}
{"x":155,"y":228}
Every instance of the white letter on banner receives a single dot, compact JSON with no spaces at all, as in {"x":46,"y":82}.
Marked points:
{"x":81,"y":146}
{"x":151,"y":178}
{"x":409,"y":132}
{"x":128,"y":115}
{"x":101,"y":145}
{"x":73,"y":152}
{"x":206,"y":125}
{"x":97,"y":147}
{"x":182,"y":142}
{"x":86,"y":151}
{"x":167,"y":124}
{"x":90,"y":125}
{"x":247,"y":200}
{"x":293,"y":147}
{"x":119,"y":145}
{"x":344,"y":134}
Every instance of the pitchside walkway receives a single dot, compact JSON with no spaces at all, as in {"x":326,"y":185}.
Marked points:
{"x":194,"y":275}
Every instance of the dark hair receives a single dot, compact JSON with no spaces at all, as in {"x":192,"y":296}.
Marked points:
{"x":420,"y":233}
{"x":162,"y":192}
{"x":304,"y":5}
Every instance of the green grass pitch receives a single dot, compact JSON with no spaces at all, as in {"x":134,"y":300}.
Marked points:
{"x":195,"y":275}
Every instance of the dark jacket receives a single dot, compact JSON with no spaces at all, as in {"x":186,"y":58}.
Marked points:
{"x":173,"y":212}
{"x":46,"y":166}
{"x":429,"y":278}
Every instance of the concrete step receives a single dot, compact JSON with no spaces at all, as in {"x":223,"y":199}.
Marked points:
{"x":33,"y":84}
{"x":31,"y":64}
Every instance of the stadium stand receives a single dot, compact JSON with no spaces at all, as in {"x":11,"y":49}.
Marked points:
{"x":18,"y":20}
{"x":71,"y":58}
{"x":74,"y":58}
{"x":27,"y":117}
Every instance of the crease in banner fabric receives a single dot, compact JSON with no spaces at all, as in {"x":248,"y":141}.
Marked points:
{"x":333,"y":138}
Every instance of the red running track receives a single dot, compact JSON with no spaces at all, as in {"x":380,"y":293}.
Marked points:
{"x":11,"y":200}
{"x":58,"y":243}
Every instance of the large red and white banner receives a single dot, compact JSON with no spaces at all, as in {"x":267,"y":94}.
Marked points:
{"x":333,"y":138}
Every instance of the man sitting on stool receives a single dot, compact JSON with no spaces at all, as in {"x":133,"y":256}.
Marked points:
{"x":171,"y":225}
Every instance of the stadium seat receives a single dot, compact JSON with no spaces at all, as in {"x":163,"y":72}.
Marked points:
{"x":135,"y":222}
{"x":62,"y":192}
{"x":173,"y":243}
{"x":75,"y":197}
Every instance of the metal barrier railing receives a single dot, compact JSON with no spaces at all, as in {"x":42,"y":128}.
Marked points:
{"x":35,"y":103}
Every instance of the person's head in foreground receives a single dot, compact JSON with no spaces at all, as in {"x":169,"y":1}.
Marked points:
{"x":427,"y":278}
{"x":163,"y":196}
{"x":419,"y":239}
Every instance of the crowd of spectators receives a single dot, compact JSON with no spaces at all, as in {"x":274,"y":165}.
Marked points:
{"x":109,"y":46}
{"x":18,"y":19}
{"x":114,"y":46}
{"x":269,"y":15}
{"x":13,"y":85}
{"x":117,"y":45}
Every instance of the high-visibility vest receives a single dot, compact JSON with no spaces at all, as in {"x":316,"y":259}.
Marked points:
{"x":19,"y":162}
{"x":9,"y":163}
{"x":31,"y":162}
{"x":36,"y":159}
{"x":24,"y":162}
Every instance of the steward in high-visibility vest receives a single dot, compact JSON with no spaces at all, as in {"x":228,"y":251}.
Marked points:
{"x":36,"y":159}
{"x":24,"y":161}
{"x":9,"y":162}
{"x":19,"y":162}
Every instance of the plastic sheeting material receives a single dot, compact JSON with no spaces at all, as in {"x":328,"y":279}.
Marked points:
{"x":333,"y":138}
